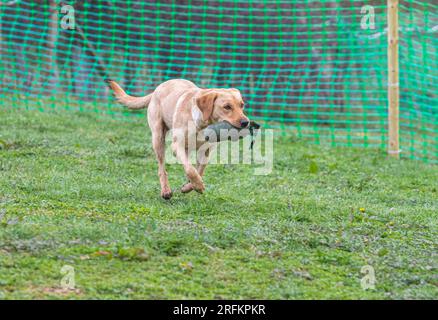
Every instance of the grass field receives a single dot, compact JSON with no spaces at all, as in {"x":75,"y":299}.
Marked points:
{"x":83,"y":191}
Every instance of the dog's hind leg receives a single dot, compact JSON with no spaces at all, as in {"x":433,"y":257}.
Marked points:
{"x":158,"y":142}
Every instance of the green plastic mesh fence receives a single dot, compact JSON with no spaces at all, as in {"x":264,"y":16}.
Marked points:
{"x":316,"y":69}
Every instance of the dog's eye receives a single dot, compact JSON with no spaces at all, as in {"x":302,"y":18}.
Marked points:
{"x":227,"y":107}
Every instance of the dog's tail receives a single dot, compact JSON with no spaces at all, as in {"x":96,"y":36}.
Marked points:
{"x":127,"y":100}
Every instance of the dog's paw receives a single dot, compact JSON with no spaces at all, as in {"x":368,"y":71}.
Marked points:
{"x":166,"y":194}
{"x":187,"y":187}
{"x":196,"y":180}
{"x":198,"y":187}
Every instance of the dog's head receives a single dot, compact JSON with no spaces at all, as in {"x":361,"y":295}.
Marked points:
{"x":222,"y":104}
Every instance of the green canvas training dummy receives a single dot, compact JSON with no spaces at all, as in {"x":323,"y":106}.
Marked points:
{"x":224,"y":130}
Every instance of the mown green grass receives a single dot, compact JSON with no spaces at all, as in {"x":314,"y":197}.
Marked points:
{"x":82,"y":191}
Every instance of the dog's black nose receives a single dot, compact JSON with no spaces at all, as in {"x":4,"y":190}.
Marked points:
{"x":244,"y":123}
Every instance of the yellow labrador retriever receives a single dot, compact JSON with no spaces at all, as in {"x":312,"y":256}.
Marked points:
{"x":173,"y":105}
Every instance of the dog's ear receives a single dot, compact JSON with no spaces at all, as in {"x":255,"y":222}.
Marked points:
{"x":205,"y":103}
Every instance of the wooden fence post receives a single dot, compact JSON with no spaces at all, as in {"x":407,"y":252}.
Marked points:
{"x":393,"y":81}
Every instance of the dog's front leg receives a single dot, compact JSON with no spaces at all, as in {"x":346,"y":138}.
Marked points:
{"x":202,"y":161}
{"x":191,"y":172}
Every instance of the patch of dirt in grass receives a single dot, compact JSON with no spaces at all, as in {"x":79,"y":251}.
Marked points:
{"x":61,"y":291}
{"x":46,"y":292}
